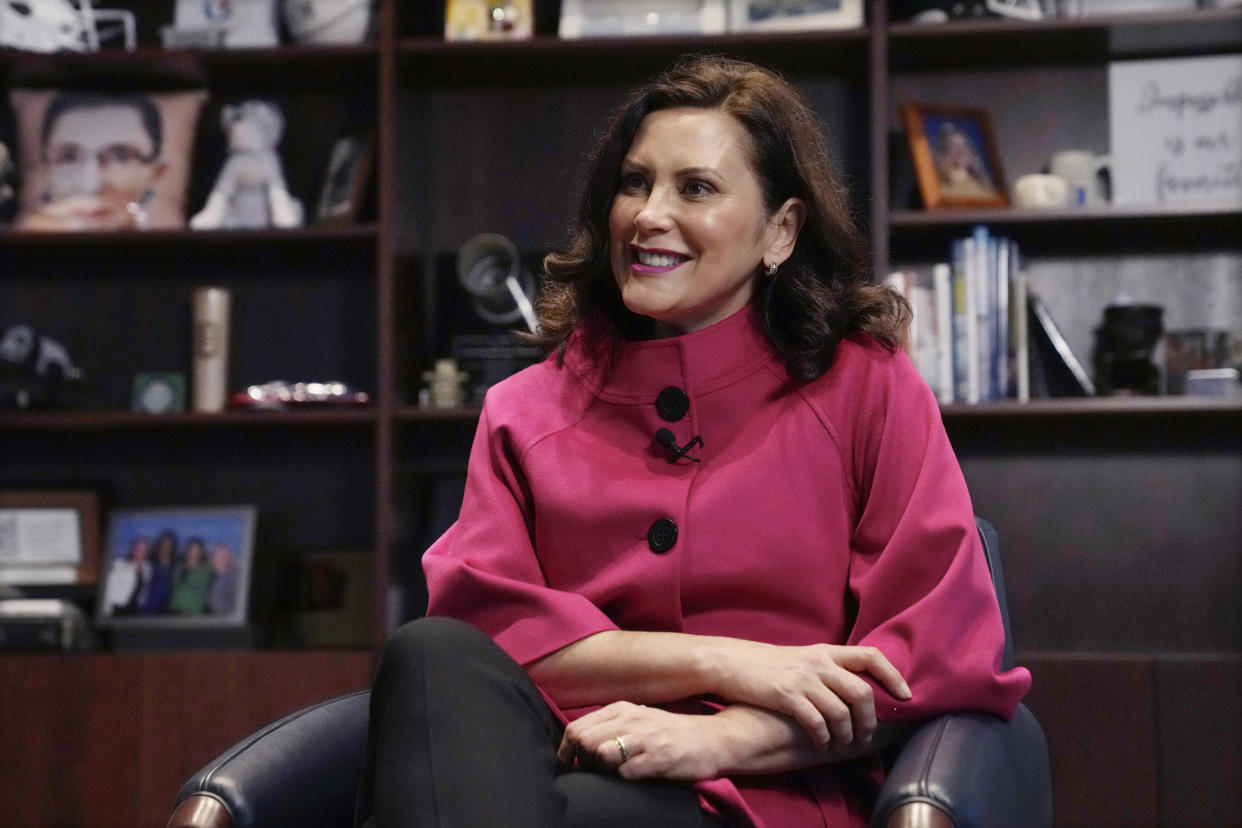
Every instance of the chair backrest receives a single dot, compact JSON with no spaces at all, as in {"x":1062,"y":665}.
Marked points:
{"x":304,"y":769}
{"x":991,"y":552}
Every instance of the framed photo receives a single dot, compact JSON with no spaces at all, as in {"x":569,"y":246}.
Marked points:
{"x":955,"y":156}
{"x":49,"y":537}
{"x":345,"y":180}
{"x":485,"y":20}
{"x":144,"y":144}
{"x":177,"y":567}
{"x":620,"y":18}
{"x":327,"y":601}
{"x":794,"y":15}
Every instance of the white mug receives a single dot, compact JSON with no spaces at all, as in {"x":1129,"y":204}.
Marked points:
{"x":1037,"y":190}
{"x":1083,"y":171}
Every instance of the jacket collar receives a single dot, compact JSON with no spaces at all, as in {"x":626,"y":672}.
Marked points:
{"x":629,"y":371}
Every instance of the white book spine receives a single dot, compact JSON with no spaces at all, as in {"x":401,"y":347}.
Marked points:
{"x":971,"y":351}
{"x":944,"y":332}
{"x":1000,"y":334}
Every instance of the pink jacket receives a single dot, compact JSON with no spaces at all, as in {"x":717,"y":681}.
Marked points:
{"x":830,"y":511}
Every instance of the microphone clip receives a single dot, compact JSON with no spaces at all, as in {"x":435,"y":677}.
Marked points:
{"x":666,"y":438}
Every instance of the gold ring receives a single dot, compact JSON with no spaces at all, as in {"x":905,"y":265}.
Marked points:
{"x":625,"y":754}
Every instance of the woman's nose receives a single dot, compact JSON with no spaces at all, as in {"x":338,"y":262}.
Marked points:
{"x":654,"y":214}
{"x":89,"y":176}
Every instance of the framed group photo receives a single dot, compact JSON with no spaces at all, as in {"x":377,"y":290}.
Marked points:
{"x":794,"y":15}
{"x":956,"y":158}
{"x":177,"y":567}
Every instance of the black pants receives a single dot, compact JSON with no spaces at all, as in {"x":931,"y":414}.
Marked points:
{"x":460,"y":737}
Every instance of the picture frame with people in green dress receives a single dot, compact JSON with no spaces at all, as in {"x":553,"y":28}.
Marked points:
{"x":177,"y":567}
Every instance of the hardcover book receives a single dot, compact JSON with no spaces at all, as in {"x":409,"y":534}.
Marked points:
{"x":1055,"y":370}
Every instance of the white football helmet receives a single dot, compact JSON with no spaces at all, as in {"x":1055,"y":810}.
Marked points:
{"x":328,"y":21}
{"x":60,"y":25}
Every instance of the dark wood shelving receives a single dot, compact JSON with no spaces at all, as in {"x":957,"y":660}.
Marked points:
{"x":1097,"y":407}
{"x":902,"y":219}
{"x":78,"y":722}
{"x":544,"y":59}
{"x":1081,"y":230}
{"x":117,"y":420}
{"x":154,"y":67}
{"x":353,"y":234}
{"x":1090,"y":39}
{"x":419,"y":414}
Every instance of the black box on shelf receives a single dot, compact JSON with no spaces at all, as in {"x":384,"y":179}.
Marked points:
{"x":41,"y":624}
{"x":479,"y":331}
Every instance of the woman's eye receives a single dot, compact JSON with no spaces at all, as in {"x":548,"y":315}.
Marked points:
{"x":632,"y":183}
{"x":696,"y":188}
{"x":65,"y":154}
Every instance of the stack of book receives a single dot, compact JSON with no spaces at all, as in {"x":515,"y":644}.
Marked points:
{"x":979,"y":334}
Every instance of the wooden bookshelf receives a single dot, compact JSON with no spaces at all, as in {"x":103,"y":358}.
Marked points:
{"x":490,"y":137}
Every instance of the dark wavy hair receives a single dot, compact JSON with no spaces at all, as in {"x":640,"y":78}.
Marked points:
{"x":69,"y":101}
{"x":821,"y":294}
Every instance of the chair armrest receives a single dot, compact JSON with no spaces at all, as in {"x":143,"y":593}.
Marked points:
{"x":975,"y":768}
{"x":301,"y":770}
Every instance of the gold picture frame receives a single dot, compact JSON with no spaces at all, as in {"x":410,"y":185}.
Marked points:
{"x":956,"y":159}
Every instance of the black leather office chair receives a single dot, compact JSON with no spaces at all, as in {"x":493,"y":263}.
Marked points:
{"x":959,"y":769}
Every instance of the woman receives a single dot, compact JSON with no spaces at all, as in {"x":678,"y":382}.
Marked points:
{"x":222,"y":594}
{"x":721,"y":531}
{"x":101,"y":162}
{"x":962,"y":171}
{"x":127,"y":575}
{"x":154,"y":597}
{"x":193,"y":580}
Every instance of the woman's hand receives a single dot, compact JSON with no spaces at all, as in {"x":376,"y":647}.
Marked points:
{"x":817,"y":686}
{"x":657,"y":744}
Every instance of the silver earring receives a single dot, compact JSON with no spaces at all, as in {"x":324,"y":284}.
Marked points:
{"x":771,"y":272}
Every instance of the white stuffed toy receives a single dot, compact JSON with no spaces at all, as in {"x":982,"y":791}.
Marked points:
{"x":250,"y":190}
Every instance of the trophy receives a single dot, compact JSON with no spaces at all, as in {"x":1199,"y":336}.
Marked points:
{"x":486,"y":294}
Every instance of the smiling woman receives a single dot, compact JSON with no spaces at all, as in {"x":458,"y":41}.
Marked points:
{"x":624,"y":633}
{"x":822,"y":288}
{"x":688,"y":228}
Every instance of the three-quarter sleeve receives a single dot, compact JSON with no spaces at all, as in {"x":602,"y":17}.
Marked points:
{"x":922,"y":590}
{"x":485,"y":571}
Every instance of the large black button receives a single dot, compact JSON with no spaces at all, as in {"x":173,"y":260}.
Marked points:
{"x":672,"y":403}
{"x":662,"y":535}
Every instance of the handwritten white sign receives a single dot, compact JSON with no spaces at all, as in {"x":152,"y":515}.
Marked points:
{"x":1176,"y":130}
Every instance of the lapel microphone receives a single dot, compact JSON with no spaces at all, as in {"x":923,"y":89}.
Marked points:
{"x":666,"y":438}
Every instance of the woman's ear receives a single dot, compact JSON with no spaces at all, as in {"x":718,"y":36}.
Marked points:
{"x":786,"y":224}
